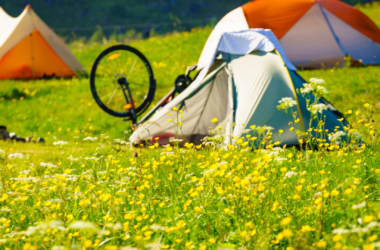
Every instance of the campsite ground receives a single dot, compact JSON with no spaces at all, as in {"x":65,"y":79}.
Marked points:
{"x":200,"y":198}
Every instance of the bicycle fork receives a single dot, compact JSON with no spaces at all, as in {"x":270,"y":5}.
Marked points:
{"x":124,"y":85}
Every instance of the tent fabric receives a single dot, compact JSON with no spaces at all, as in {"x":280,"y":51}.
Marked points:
{"x":353,"y":18}
{"x":20,"y":61}
{"x":300,"y":38}
{"x":276,"y":15}
{"x":261,"y":80}
{"x":305,"y":28}
{"x":241,"y":43}
{"x":45,"y":48}
{"x":233,"y":21}
{"x":240,"y":91}
{"x":353,"y":41}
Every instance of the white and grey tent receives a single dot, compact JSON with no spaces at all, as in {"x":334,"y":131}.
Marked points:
{"x":241,"y":86}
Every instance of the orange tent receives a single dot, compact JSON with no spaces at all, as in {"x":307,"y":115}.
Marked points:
{"x":30,"y":49}
{"x":313,"y":33}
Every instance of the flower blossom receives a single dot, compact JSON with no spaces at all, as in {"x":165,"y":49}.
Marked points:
{"x":317,"y":108}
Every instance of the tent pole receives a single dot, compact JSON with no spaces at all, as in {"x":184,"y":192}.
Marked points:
{"x":294,"y":92}
{"x":332,"y":31}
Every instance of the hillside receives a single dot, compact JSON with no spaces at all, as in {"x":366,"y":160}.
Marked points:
{"x":71,"y":18}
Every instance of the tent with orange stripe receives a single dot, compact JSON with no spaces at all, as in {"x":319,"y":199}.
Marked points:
{"x":313,"y":33}
{"x":30,"y":49}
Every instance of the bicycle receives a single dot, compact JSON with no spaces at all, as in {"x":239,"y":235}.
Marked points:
{"x":120,"y":70}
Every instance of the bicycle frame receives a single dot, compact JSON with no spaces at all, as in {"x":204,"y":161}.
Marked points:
{"x":179,"y":86}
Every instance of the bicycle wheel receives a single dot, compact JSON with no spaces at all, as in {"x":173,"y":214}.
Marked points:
{"x":112,"y":70}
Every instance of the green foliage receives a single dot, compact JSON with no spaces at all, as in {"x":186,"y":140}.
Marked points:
{"x":12,"y":93}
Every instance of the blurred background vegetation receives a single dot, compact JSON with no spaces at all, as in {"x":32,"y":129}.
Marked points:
{"x":95,"y":19}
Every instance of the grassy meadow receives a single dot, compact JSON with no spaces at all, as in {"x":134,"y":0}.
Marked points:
{"x":101,"y":193}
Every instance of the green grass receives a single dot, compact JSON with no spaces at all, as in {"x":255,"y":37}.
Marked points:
{"x":185,"y":198}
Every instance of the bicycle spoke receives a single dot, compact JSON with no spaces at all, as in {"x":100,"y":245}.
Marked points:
{"x":113,"y":94}
{"x":133,"y":65}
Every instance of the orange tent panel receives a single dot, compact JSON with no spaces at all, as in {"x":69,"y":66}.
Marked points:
{"x":32,"y":58}
{"x":352,"y":17}
{"x":277,"y":15}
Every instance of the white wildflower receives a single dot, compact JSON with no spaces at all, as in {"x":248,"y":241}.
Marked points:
{"x":340,"y":231}
{"x":171,"y":139}
{"x":290,"y":174}
{"x":209,"y":171}
{"x":60,"y":143}
{"x":2,"y":153}
{"x":90,"y":138}
{"x":83,"y":225}
{"x":287,"y":101}
{"x":16,"y":155}
{"x":56,"y":200}
{"x":373,"y":224}
{"x":156,"y":227}
{"x":43,"y":164}
{"x":41,"y":227}
{"x":128,"y":248}
{"x":336,"y":136}
{"x":317,"y":81}
{"x":307,"y":88}
{"x":154,"y":246}
{"x":360,"y":230}
{"x":280,"y":160}
{"x":273,"y":153}
{"x":58,"y":248}
{"x":360,"y":221}
{"x":117,"y":227}
{"x":356,"y":135}
{"x":278,"y":149}
{"x":25,"y":172}
{"x":71,"y":158}
{"x":317,"y":108}
{"x":322,"y":90}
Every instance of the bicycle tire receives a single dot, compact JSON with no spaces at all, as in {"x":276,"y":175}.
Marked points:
{"x":152,"y":83}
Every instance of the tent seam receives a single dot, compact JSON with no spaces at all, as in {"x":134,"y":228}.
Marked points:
{"x":200,"y":116}
{"x":332,"y":31}
{"x":294,"y":91}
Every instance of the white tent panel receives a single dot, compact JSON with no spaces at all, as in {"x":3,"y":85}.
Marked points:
{"x":243,"y":42}
{"x":233,"y":21}
{"x":261,"y":81}
{"x":14,"y":30}
{"x":355,"y":43}
{"x":158,"y":123}
{"x":311,"y":41}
